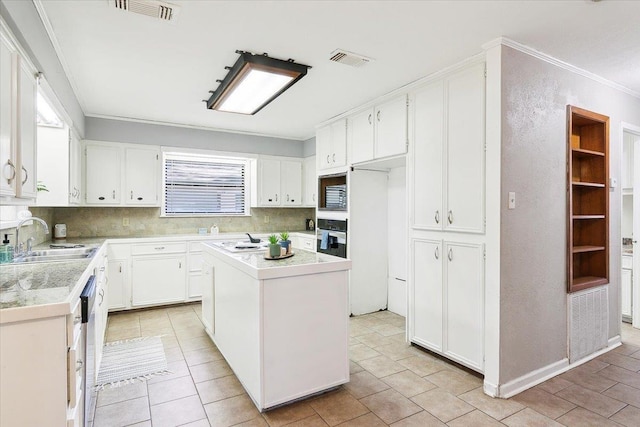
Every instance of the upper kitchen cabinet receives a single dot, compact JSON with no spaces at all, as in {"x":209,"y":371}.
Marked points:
{"x":279,"y":182}
{"x":18,"y":90}
{"x":331,"y":145}
{"x":75,"y":169}
{"x":310,"y":182}
{"x":104,"y":163}
{"x":378,"y":132}
{"x":448,"y":160}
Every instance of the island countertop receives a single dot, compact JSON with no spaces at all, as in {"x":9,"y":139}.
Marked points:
{"x":301,"y":263}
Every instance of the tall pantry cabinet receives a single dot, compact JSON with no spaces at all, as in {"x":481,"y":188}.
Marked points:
{"x":447,"y":216}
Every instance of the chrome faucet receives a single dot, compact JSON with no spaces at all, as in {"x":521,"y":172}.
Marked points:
{"x":18,"y":248}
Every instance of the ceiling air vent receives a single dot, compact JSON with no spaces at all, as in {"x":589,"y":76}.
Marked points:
{"x":153,"y":8}
{"x":349,"y":58}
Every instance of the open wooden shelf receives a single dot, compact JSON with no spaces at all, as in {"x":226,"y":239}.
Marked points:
{"x":587,"y":199}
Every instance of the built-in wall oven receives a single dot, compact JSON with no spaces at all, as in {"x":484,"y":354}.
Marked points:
{"x":332,"y":237}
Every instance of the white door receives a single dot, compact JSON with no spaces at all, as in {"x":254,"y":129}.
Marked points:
{"x":26,"y":173}
{"x":339,"y":143}
{"x":391,"y":128}
{"x":465,"y":151}
{"x":269,"y":184}
{"x":7,"y":134}
{"x":158,"y":279}
{"x":141,"y":173}
{"x":625,"y":288}
{"x":427,"y":159}
{"x":102,"y":174}
{"x":635,"y":292}
{"x":426,"y":307}
{"x":464,"y":303}
{"x":360,"y":136}
{"x":291,"y":183}
{"x":309,"y":198}
{"x":397,"y":241}
{"x":117,"y":297}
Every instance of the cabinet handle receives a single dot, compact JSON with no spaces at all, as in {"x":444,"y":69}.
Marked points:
{"x":334,"y":157}
{"x":139,"y":198}
{"x":101,"y":198}
{"x":313,"y":197}
{"x":287,"y":197}
{"x":378,"y":116}
{"x":450,"y":256}
{"x":114,"y":195}
{"x":327,"y":158}
{"x":437,"y":217}
{"x":131,"y":194}
{"x":276,"y":197}
{"x":370,"y":117}
{"x":437,"y":252}
{"x":79,"y":364}
{"x":102,"y":268}
{"x":450,"y":217}
{"x":179,"y":264}
{"x":13,"y":170}
{"x":159,"y":248}
{"x":120,"y":269}
{"x":26,"y":175}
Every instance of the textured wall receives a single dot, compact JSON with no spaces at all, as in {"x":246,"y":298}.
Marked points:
{"x":533,"y":236}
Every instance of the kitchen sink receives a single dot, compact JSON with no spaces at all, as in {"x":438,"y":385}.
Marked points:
{"x":52,"y":255}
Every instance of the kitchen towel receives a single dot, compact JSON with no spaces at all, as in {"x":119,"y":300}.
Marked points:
{"x":324,"y":243}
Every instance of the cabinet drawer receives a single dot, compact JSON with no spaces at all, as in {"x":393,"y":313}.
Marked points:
{"x":195,"y":247}
{"x":627,"y":261}
{"x":195,"y":262}
{"x":159,"y":248}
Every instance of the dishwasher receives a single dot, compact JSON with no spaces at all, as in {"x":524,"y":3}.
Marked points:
{"x":87,"y":299}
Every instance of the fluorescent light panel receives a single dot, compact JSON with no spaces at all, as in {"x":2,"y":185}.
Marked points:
{"x":254,"y":90}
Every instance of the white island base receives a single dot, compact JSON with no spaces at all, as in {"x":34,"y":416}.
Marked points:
{"x":281,"y":325}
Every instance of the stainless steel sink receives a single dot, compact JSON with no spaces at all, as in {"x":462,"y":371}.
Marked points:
{"x":52,"y":255}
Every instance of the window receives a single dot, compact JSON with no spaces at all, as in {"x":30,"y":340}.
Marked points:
{"x":204,"y":185}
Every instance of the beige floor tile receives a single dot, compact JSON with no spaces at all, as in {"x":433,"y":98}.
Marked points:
{"x":173,"y":354}
{"x":289,"y":414}
{"x":595,"y":402}
{"x":122,"y":413}
{"x":397,"y":351}
{"x":364,"y":384}
{"x":337,"y":407}
{"x":554,"y":385}
{"x":159,"y":315}
{"x":210,"y":371}
{"x":142,"y":424}
{"x":421,"y":419}
{"x":408,"y":383}
{"x":203,"y":355}
{"x":545,"y":403}
{"x":110,"y":395}
{"x":422,"y":365}
{"x":629,"y":416}
{"x":196,"y":343}
{"x":157,"y":332}
{"x":200,"y":423}
{"x":312,"y":421}
{"x":592,"y":366}
{"x":621,"y":375}
{"x":256,"y":422}
{"x":354,"y":341}
{"x":122,"y":334}
{"x":386,"y":315}
{"x":360,"y":352}
{"x":621,"y":360}
{"x":591,"y":381}
{"x":454,"y":382}
{"x":219,"y":388}
{"x":476,"y":419}
{"x":366,"y":321}
{"x":386,"y":329}
{"x":630,"y":335}
{"x":367,"y":420}
{"x":390,"y":406}
{"x":381,"y":366}
{"x":624,"y":393}
{"x":626,"y":349}
{"x":155,"y":322}
{"x":184,"y":334}
{"x":357,"y":330}
{"x":442,"y":404}
{"x":186,"y":323}
{"x":231,"y":411}
{"x":176,"y":369}
{"x":131,"y":323}
{"x":177,"y":412}
{"x":496,"y":408}
{"x":354,"y":368}
{"x":169,"y":341}
{"x":374,"y":340}
{"x":529,"y":418}
{"x":173,"y":389}
{"x":580,"y":417}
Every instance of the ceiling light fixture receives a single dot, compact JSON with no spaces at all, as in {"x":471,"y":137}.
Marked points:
{"x":253,"y":82}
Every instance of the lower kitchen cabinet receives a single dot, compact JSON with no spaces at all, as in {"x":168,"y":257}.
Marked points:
{"x":626,"y":285}
{"x":101,"y":305}
{"x":208,"y":294}
{"x":196,"y":275}
{"x":117,"y":299}
{"x":447,"y":304}
{"x":158,"y":279}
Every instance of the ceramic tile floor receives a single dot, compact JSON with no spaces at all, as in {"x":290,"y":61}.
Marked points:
{"x":391,"y":384}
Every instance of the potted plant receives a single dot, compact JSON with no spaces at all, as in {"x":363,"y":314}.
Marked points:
{"x":285,"y":242}
{"x":274,"y":247}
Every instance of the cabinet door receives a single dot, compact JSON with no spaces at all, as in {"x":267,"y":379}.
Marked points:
{"x":323,"y":147}
{"x":426,"y":307}
{"x":269,"y":183}
{"x":339,"y":143}
{"x":117,"y":297}
{"x":309,"y":198}
{"x":102,"y":174}
{"x":464,"y":303}
{"x":141,"y":174}
{"x":465,"y":151}
{"x":625,"y":291}
{"x":75,"y":169}
{"x":427,"y":157}
{"x":53,"y":162}
{"x":158,"y":279}
{"x":391,"y":128}
{"x":7,"y":112}
{"x":26,"y":170}
{"x":360,"y":136}
{"x":291,"y":183}
{"x":208,"y":296}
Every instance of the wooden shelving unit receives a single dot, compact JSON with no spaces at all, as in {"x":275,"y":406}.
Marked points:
{"x":587,"y":199}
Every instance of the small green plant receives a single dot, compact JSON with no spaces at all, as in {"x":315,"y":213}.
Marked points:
{"x":284,"y":236}
{"x":273,"y":239}
{"x":41,"y":186}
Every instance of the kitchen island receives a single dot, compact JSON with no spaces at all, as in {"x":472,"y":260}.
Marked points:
{"x":282,"y":325}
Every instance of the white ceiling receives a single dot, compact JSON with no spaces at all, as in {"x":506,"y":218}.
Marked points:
{"x":125,"y":65}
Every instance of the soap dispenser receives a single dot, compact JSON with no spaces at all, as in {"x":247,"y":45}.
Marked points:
{"x":6,"y":251}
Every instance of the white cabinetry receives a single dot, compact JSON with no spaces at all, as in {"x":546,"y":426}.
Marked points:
{"x":626,"y":285}
{"x":75,"y":169}
{"x":208,"y":294}
{"x":196,"y":274}
{"x":331,"y":145}
{"x":104,"y":184}
{"x":627,"y":161}
{"x":117,"y":297}
{"x":26,"y":167}
{"x":360,"y":136}
{"x":448,"y":299}
{"x":101,"y":304}
{"x":279,"y":182}
{"x":448,"y":128}
{"x":158,"y":273}
{"x":310,"y":182}
{"x":7,"y":113}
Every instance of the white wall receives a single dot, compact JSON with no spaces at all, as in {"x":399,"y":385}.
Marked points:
{"x":627,"y":216}
{"x":397,"y":240}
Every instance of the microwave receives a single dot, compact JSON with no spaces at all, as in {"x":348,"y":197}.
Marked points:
{"x":332,"y":192}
